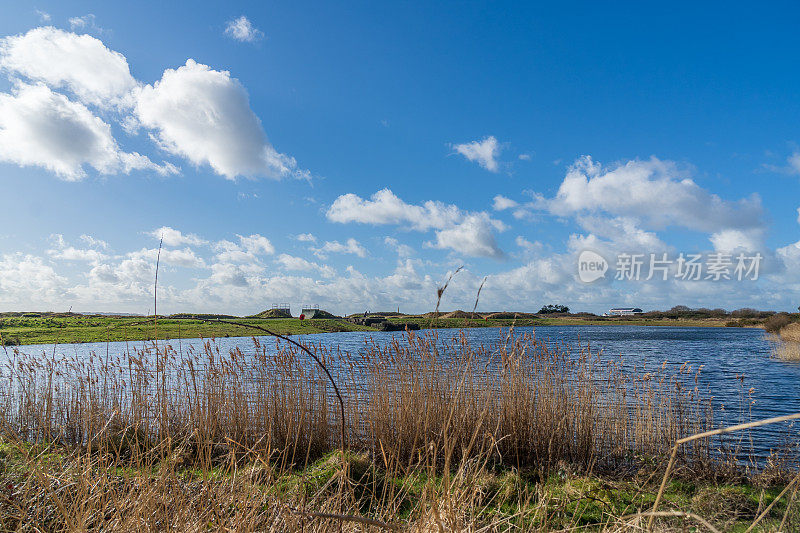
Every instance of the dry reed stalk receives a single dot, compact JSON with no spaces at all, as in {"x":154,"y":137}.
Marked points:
{"x":706,"y":434}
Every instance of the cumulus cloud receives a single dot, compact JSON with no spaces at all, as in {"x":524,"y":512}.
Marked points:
{"x":527,"y":245}
{"x":730,"y":240}
{"x":174,"y":237}
{"x":351,"y":246}
{"x":453,"y":226}
{"x":472,"y":236}
{"x":653,"y":191}
{"x":257,"y":244}
{"x":81,"y":64}
{"x":242,"y":30}
{"x":26,"y":278}
{"x":71,"y":253}
{"x":484,"y":152}
{"x":93,"y":242}
{"x":185,"y":257}
{"x":306,"y":237}
{"x":204,"y":115}
{"x":41,"y":128}
{"x":384,"y":207}
{"x":501,"y":203}
{"x":403,"y":250}
{"x":293,"y":263}
{"x":247,"y":250}
{"x":193,"y":111}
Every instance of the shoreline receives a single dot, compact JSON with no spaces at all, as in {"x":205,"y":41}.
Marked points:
{"x":79,"y":329}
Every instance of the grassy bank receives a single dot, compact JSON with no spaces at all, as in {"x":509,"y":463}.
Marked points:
{"x":426,"y":322}
{"x":518,"y":435}
{"x":45,"y":328}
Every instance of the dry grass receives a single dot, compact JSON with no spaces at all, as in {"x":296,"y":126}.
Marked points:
{"x":442,"y":437}
{"x":786,"y":343}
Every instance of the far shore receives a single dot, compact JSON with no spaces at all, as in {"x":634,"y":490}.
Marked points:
{"x":67,"y":328}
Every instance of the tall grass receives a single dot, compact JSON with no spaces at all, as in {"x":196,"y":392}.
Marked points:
{"x":786,"y":342}
{"x":164,"y":437}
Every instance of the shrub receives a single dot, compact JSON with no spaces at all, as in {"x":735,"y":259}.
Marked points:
{"x":777,"y":322}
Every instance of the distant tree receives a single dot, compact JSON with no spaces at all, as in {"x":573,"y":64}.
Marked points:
{"x":549,"y":309}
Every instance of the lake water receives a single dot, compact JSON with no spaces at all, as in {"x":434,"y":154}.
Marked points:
{"x":733,"y":360}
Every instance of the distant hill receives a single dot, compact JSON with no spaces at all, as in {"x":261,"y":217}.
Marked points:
{"x":320,"y":313}
{"x":273,"y":313}
{"x":200,"y":315}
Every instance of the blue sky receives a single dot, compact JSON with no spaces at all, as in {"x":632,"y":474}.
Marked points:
{"x":351,"y":155}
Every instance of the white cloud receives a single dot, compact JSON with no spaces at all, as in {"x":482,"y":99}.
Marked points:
{"x":351,"y":246}
{"x":204,"y":115}
{"x":242,"y":30}
{"x":235,"y":275}
{"x":384,"y":207}
{"x":257,"y":244}
{"x":306,"y":237}
{"x":527,"y":245}
{"x":44,"y":16}
{"x":403,"y":250}
{"x":623,"y":234}
{"x":41,"y":128}
{"x":25,"y":278}
{"x":293,"y":263}
{"x":794,"y":162}
{"x":501,"y":203}
{"x":247,"y":251}
{"x":185,"y":257}
{"x":88,"y":21}
{"x":730,"y":240}
{"x":80,"y":63}
{"x":452,"y":225}
{"x":174,"y":237}
{"x":95,"y":243}
{"x":473,"y":236}
{"x":76,"y":254}
{"x":524,"y":157}
{"x":655,"y":192}
{"x":484,"y":152}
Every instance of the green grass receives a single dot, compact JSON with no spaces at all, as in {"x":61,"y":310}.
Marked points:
{"x":47,"y":329}
{"x":62,"y":328}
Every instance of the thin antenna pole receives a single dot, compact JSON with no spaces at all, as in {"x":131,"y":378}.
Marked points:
{"x":155,"y":292}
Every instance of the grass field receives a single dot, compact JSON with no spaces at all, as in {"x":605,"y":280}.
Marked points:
{"x":45,"y":328}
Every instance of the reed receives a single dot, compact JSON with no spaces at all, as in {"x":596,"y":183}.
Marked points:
{"x":441,"y":436}
{"x":786,"y":342}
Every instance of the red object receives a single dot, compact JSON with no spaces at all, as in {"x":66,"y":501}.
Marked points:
{"x":302,"y":316}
